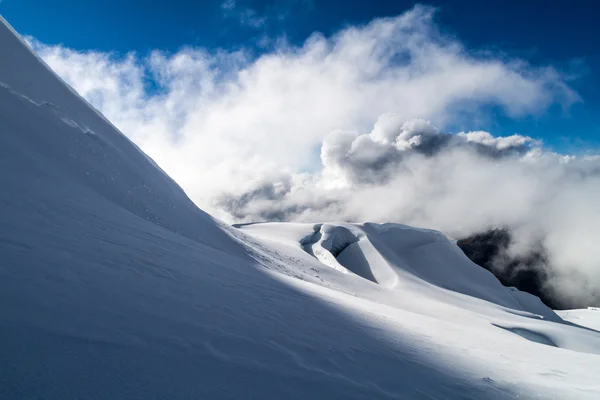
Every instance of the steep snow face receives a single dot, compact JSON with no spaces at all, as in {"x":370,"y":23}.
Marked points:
{"x":114,"y":285}
{"x":49,"y":130}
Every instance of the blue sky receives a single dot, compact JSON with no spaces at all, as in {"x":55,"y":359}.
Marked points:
{"x":542,"y":32}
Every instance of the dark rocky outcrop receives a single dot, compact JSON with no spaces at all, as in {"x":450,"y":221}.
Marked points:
{"x":526,"y":272}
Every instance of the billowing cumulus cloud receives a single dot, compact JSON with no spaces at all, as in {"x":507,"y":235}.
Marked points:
{"x":355,"y":127}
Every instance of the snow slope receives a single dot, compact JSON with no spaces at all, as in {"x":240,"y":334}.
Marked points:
{"x":589,"y":317}
{"x":114,"y":285}
{"x":79,"y":146}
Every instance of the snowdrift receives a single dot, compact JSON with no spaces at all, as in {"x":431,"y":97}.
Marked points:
{"x":113,"y":284}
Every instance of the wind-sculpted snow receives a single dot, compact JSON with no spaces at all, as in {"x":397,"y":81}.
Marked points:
{"x":114,"y":285}
{"x":327,"y":242}
{"x":398,"y":256}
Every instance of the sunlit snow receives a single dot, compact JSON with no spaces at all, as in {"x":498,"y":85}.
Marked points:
{"x":115,"y":285}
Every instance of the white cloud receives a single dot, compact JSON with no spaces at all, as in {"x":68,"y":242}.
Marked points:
{"x":242,"y":134}
{"x":224,"y":111}
{"x":461,"y":184}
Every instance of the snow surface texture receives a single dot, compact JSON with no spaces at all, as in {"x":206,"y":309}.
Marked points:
{"x":114,"y":285}
{"x":589,"y":317}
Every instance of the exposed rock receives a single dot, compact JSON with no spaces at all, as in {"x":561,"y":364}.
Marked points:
{"x":527,"y":273}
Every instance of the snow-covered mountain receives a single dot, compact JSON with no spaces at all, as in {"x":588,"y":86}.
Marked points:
{"x":113,"y":284}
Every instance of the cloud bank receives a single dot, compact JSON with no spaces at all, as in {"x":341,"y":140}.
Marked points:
{"x":354,"y":127}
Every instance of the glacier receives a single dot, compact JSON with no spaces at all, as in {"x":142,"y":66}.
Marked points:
{"x":113,"y":284}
